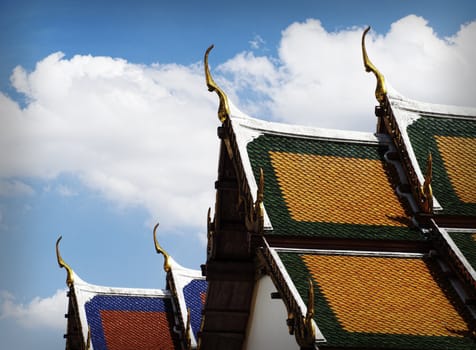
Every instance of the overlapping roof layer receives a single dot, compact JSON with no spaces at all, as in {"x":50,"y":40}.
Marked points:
{"x":366,"y":301}
{"x":111,"y":318}
{"x":466,"y":243}
{"x":452,"y":143}
{"x":326,"y":188}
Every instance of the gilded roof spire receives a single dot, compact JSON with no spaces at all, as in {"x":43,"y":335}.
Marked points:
{"x":61,"y":263}
{"x":426,"y":190}
{"x":380,"y":90}
{"x":223,"y":109}
{"x":161,"y":250}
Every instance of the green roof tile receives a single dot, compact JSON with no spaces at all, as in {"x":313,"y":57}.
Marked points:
{"x":304,"y":213}
{"x":426,"y":135}
{"x":379,"y":302}
{"x":466,"y":244}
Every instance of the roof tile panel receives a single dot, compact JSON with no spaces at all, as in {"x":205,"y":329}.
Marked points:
{"x":452,"y":142}
{"x":379,"y":302}
{"x":325,"y":188}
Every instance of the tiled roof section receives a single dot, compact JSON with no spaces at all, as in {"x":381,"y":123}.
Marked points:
{"x":195,"y":295}
{"x":306,"y":181}
{"x":384,"y":302}
{"x":119,"y":322}
{"x":459,"y":158}
{"x":329,"y":188}
{"x":452,"y":143}
{"x":466,"y":243}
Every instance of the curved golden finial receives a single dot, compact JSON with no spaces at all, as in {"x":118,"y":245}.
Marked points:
{"x":380,"y":90}
{"x":61,"y":263}
{"x":161,"y":250}
{"x":223,"y":109}
{"x":426,"y":190}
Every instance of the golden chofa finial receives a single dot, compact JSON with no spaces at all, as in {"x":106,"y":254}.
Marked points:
{"x":160,"y":250}
{"x":380,"y":90}
{"x":223,"y":109}
{"x":61,"y":263}
{"x":426,"y":191}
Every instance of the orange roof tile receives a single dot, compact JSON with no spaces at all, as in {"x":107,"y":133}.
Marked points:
{"x":384,"y":295}
{"x":459,"y":157}
{"x":136,"y":330}
{"x":343,"y":190}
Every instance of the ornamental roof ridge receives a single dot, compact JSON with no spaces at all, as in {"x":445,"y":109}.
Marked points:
{"x":401,"y":102}
{"x":261,"y":126}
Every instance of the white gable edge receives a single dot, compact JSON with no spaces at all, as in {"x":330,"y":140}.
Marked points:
{"x":445,"y":232}
{"x":181,"y":277}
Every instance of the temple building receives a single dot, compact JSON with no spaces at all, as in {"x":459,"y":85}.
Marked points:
{"x":320,"y":239}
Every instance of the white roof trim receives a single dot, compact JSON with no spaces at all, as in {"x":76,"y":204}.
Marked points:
{"x":431,"y":109}
{"x":183,"y":276}
{"x":261,"y":126}
{"x":365,"y":253}
{"x":445,"y":233}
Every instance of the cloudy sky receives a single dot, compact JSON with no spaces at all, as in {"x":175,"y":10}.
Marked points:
{"x":107,"y":126}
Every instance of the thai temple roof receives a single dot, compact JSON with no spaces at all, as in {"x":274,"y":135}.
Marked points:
{"x":368,"y":241}
{"x":448,"y":133}
{"x":112,"y":318}
{"x":317,"y":182}
{"x":125,"y":317}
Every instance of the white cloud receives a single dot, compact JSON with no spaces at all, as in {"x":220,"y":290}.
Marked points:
{"x":145,"y":135}
{"x":66,"y":191}
{"x":10,"y":187}
{"x":257,"y":42}
{"x":141,"y":135}
{"x":39,"y":313}
{"x":319,"y":77}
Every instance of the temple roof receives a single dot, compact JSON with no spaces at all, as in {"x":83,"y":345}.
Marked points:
{"x":317,"y":181}
{"x":460,"y":245}
{"x":449,"y":134}
{"x":120,"y":318}
{"x":108,"y":318}
{"x":371,"y":299}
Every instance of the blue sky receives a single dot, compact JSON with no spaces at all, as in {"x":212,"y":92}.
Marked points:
{"x":107,"y":126}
